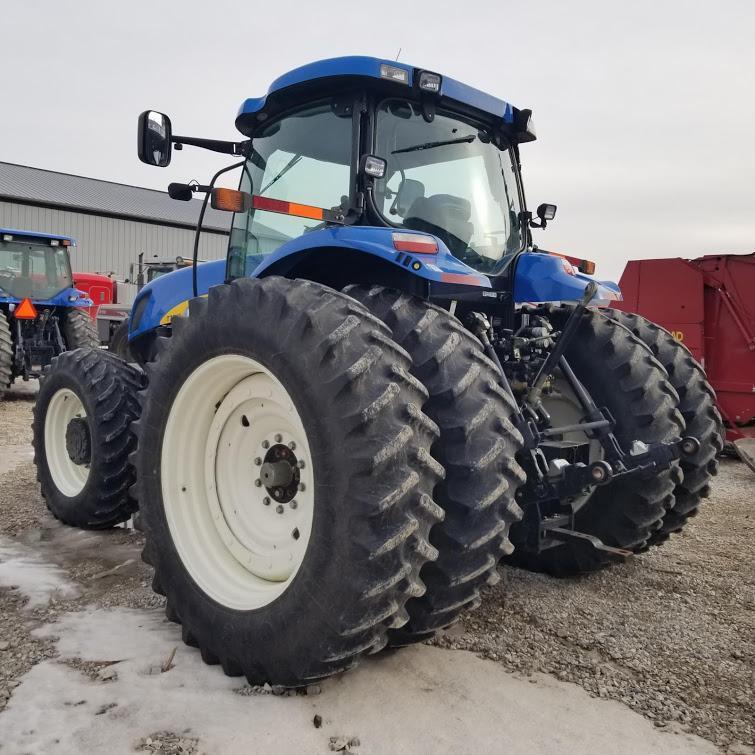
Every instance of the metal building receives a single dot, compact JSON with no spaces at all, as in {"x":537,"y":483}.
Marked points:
{"x":112,"y":223}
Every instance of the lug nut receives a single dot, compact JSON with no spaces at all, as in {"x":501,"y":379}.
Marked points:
{"x":258,"y":482}
{"x":265,"y":444}
{"x":292,"y":445}
{"x":278,"y":437}
{"x":293,"y":504}
{"x":279,"y":508}
{"x":295,"y":534}
{"x":258,"y":461}
{"x":300,"y":463}
{"x":266,"y":501}
{"x":301,"y":486}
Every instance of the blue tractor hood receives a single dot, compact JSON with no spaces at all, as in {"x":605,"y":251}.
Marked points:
{"x":389,"y":76}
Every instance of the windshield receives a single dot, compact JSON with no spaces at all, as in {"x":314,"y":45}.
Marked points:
{"x":448,"y":177}
{"x":303,"y":158}
{"x":34,"y":269}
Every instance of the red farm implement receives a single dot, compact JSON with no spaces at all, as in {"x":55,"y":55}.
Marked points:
{"x":709,"y":305}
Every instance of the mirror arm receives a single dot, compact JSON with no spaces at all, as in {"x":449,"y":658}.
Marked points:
{"x":214,"y":145}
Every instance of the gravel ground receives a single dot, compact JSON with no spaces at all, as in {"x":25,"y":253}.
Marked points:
{"x":671,"y":633}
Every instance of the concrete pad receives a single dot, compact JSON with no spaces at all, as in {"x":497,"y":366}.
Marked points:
{"x":418,"y":700}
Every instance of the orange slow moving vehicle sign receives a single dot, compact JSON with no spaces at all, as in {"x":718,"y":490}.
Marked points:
{"x":25,"y":310}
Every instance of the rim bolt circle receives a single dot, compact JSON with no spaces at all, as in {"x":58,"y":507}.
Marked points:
{"x":266,"y":501}
{"x":258,"y":482}
{"x":278,"y":438}
{"x":265,"y":444}
{"x":258,"y":461}
{"x":279,"y":508}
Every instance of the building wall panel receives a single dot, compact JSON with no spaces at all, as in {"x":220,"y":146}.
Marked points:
{"x":107,"y":244}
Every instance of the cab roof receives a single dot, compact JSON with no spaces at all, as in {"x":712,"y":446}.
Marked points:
{"x":37,"y":235}
{"x":394,"y":77}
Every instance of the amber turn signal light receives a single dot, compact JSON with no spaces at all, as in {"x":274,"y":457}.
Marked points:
{"x":230,"y":200}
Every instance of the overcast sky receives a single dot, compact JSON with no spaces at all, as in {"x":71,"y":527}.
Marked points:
{"x":645,"y":110}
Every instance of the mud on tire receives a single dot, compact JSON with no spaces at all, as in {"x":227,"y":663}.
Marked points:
{"x":477,"y":447}
{"x":82,"y":437}
{"x":622,"y":375}
{"x":360,"y":410}
{"x":697,"y":403}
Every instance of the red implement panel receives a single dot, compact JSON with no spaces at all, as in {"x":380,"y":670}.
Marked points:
{"x":709,"y":305}
{"x":99,"y":288}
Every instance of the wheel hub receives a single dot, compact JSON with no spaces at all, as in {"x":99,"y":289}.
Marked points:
{"x":79,"y":441}
{"x":280,"y":473}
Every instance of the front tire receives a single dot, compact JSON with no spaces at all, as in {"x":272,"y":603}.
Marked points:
{"x":477,"y":446}
{"x":278,"y":593}
{"x":82,"y":437}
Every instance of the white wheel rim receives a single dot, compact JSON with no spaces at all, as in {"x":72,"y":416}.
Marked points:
{"x":239,"y":543}
{"x":68,"y":476}
{"x":564,"y":409}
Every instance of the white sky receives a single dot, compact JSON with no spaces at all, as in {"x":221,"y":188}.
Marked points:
{"x":645,"y":110}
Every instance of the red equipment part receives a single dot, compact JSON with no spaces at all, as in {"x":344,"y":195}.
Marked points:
{"x":709,"y":305}
{"x":100,"y":288}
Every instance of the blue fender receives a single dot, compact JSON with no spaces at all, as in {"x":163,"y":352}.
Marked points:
{"x":540,"y":277}
{"x":441,"y":267}
{"x":168,"y":296}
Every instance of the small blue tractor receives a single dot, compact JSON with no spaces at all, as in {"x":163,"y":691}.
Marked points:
{"x":334,"y":436}
{"x":41,"y":313}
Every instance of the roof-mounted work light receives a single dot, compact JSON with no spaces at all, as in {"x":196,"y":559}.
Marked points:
{"x":394,"y":73}
{"x":430,"y":82}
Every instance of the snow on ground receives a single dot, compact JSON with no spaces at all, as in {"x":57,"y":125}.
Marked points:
{"x":24,"y":568}
{"x":420,"y":700}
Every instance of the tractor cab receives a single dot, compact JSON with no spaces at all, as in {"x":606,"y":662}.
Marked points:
{"x":33,"y":266}
{"x":361,"y":143}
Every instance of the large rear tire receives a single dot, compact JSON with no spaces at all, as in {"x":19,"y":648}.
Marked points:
{"x":79,"y":331}
{"x":477,"y":446}
{"x":274,"y":391}
{"x":6,"y":355}
{"x":82,"y":437}
{"x":622,"y":375}
{"x":697,"y":403}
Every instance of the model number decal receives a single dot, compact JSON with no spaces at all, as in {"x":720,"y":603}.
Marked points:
{"x":678,"y":334}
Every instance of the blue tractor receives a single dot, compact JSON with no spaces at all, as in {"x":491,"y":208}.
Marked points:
{"x":41,"y":312}
{"x":334,"y":436}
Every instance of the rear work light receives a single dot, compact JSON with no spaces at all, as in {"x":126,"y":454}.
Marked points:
{"x":417,"y":243}
{"x":429,"y":82}
{"x":394,"y":73}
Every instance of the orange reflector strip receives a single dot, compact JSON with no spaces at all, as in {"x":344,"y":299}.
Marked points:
{"x":25,"y":311}
{"x":287,"y":208}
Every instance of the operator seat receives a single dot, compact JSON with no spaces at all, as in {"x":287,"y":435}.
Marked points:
{"x":446,"y":217}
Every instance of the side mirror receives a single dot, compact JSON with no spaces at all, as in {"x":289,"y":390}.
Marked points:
{"x":154,"y":138}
